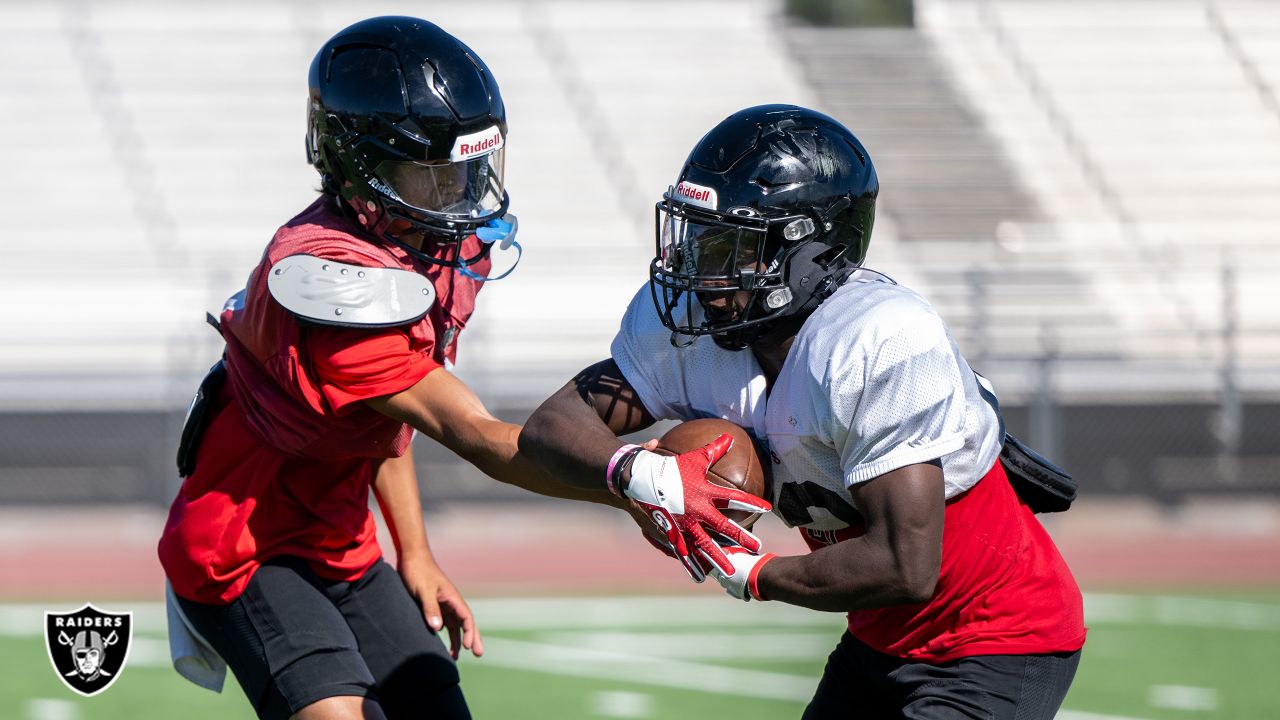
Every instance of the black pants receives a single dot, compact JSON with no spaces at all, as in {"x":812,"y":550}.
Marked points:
{"x":862,"y":683}
{"x":292,"y":639}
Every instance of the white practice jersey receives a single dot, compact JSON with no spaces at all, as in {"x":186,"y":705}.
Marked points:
{"x":873,"y":382}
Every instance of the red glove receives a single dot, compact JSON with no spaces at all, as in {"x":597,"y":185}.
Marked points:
{"x":680,"y":501}
{"x":744,"y":582}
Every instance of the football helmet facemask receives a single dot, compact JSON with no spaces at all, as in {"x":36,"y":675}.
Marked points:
{"x":770,"y":214}
{"x":406,"y":123}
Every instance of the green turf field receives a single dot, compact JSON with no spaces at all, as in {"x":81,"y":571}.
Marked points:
{"x":1175,"y":657}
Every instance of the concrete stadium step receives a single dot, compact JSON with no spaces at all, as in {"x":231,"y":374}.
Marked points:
{"x":940,"y":171}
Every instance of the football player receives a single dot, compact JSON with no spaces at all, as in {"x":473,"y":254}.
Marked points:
{"x":338,"y":348}
{"x":885,"y":444}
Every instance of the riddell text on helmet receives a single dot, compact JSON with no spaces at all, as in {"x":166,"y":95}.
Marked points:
{"x":486,"y":144}
{"x":694,"y":194}
{"x":479,"y":143}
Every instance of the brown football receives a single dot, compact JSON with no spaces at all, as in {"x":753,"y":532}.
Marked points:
{"x":739,"y":468}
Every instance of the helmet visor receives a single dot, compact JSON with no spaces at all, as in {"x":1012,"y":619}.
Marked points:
{"x":705,"y":252}
{"x":461,"y":191}
{"x":714,"y":273}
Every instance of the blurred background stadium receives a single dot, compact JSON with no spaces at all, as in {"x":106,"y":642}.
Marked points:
{"x":1088,"y":191}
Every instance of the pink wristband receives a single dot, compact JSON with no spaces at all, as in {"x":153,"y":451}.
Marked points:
{"x":613,"y":463}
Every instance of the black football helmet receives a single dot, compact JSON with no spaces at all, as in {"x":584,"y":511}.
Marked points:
{"x":405,"y":122}
{"x":771,"y":213}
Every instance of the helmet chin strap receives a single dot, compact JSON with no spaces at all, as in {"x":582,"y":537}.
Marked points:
{"x":498,"y":229}
{"x":500,"y":232}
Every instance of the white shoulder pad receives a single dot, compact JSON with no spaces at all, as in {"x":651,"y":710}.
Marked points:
{"x":327,"y":292}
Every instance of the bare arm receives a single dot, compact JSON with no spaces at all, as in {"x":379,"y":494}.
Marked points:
{"x":444,"y":409}
{"x":575,"y":431}
{"x":895,"y":563}
{"x":396,"y":488}
{"x":443,"y":607}
{"x":574,"y":435}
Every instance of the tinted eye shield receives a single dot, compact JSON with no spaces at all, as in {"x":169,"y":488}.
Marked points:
{"x":701,"y":251}
{"x":459,"y":191}
{"x":461,"y":198}
{"x":703,"y":255}
{"x":468,"y":192}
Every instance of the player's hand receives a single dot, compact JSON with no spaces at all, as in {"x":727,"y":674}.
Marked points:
{"x":651,"y":533}
{"x":743,"y":582}
{"x":679,"y":499}
{"x":648,"y":530}
{"x":442,"y":605}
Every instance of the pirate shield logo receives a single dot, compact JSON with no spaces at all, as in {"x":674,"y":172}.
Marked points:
{"x":88,"y":647}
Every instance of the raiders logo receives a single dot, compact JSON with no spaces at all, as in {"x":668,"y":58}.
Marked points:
{"x":88,"y":647}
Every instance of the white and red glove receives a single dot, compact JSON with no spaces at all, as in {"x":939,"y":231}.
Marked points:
{"x":674,"y":490}
{"x":744,"y":582}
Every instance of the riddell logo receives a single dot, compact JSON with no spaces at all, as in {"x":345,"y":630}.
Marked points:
{"x":475,"y":144}
{"x":699,"y":195}
{"x":484,"y":145}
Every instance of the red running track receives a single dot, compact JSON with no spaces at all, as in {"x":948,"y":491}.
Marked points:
{"x":84,"y":554}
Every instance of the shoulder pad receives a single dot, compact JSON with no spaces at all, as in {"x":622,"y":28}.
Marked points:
{"x":327,"y":292}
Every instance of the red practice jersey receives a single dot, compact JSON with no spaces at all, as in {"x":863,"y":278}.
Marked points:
{"x":285,"y":465}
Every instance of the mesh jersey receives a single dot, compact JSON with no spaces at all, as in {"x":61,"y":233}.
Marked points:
{"x":872,"y":383}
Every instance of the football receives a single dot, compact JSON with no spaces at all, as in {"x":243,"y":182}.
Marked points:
{"x":739,"y":468}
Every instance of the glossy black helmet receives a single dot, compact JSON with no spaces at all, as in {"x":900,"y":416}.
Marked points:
{"x":405,"y":122}
{"x":770,"y":214}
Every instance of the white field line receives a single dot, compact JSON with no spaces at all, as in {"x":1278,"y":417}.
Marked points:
{"x":1081,"y":715}
{"x":663,"y":672}
{"x":716,"y":611}
{"x":1183,"y":697}
{"x":51,"y":709}
{"x":586,"y":613}
{"x":617,"y":703}
{"x":531,"y":613}
{"x":1103,"y":608}
{"x":632,"y":668}
{"x":27,"y":619}
{"x":694,"y":645}
{"x":659,"y":663}
{"x":148,"y":652}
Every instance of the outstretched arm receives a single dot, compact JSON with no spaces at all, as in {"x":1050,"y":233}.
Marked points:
{"x":443,"y":408}
{"x":575,"y":432}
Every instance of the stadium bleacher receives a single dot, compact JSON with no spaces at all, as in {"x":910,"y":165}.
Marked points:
{"x":1138,"y":128}
{"x":184,"y":135}
{"x":945,"y":176}
{"x":1084,"y":188}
